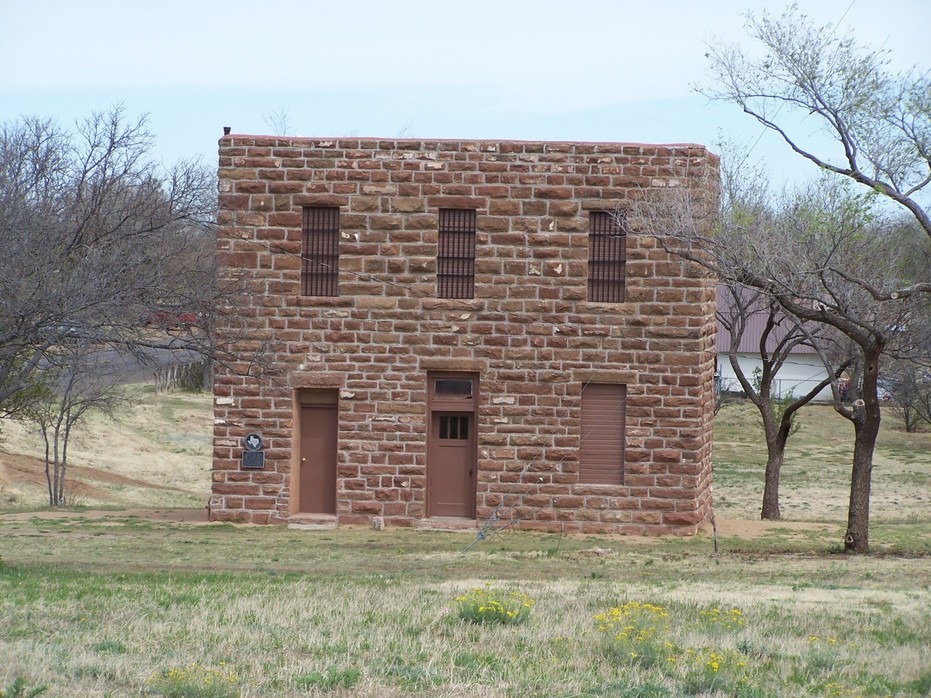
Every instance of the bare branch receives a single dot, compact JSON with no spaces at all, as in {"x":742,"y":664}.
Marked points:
{"x":880,"y":121}
{"x":99,"y":237}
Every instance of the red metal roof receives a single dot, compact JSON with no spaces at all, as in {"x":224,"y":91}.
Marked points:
{"x":750,"y":341}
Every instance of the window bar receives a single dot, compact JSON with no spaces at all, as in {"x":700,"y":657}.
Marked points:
{"x":456,"y":254}
{"x":606,"y":258}
{"x":320,"y":258}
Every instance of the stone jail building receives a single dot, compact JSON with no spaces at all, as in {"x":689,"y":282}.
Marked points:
{"x":435,"y":332}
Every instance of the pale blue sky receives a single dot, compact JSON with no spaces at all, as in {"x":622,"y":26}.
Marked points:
{"x":545,"y":69}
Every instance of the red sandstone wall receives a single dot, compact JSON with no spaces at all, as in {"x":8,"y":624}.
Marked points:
{"x":529,"y":332}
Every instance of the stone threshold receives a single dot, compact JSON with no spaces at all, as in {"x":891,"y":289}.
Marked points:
{"x":312,"y":522}
{"x":446,"y":523}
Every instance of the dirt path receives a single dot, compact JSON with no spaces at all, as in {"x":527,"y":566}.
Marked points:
{"x":755,"y":528}
{"x":17,"y":470}
{"x":195,"y":516}
{"x":86,"y":483}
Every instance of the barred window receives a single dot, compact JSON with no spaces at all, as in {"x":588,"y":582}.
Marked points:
{"x":320,"y":253}
{"x":455,"y":273}
{"x":606,"y":256}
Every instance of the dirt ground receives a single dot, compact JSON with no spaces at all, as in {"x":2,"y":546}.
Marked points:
{"x":154,"y":455}
{"x":25,"y":475}
{"x":17,"y":470}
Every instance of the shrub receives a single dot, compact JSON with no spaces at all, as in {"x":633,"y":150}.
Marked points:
{"x":492,"y":606}
{"x":711,"y":669}
{"x":193,"y":681}
{"x":635,"y":633}
{"x":638,"y":634}
{"x":716,"y":619}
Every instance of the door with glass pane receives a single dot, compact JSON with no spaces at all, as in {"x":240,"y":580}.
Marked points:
{"x":451,"y":456}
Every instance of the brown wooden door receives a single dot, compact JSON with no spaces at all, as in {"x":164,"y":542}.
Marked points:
{"x":451,"y":469}
{"x":317,"y":493}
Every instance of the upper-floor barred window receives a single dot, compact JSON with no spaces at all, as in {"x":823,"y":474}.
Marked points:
{"x":320,"y":251}
{"x":455,"y":271}
{"x":607,"y":240}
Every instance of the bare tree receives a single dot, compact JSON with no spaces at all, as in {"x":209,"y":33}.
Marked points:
{"x":748,"y":317}
{"x":722,"y":398}
{"x":83,"y":387}
{"x":818,"y":260}
{"x":923,"y":404}
{"x":830,"y":262}
{"x":279,"y":121}
{"x":98,"y":238}
{"x":779,"y":337}
{"x":808,"y":79}
{"x":906,"y":390}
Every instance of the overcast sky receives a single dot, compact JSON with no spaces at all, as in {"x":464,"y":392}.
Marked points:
{"x":552,"y":70}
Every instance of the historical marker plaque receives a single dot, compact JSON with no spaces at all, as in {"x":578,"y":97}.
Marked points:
{"x":253,"y":458}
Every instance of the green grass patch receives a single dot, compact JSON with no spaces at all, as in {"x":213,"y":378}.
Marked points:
{"x":18,"y":688}
{"x":329,"y":680}
{"x":380,"y":617}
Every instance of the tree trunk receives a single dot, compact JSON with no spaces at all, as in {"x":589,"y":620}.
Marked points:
{"x":60,"y":483}
{"x":777,"y":436}
{"x":774,"y":460}
{"x":866,"y":429}
{"x":63,"y":460}
{"x":48,"y":472}
{"x":857,"y":539}
{"x":56,"y":478}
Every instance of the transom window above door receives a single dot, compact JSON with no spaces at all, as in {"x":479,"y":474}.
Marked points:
{"x":460,"y":388}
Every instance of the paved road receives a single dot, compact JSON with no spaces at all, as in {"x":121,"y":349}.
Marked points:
{"x":129,"y":368}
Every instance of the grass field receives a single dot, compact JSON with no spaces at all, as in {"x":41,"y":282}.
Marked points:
{"x":816,"y":475}
{"x":133,"y":603}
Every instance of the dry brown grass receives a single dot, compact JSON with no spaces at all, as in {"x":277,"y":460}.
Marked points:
{"x":157,"y":454}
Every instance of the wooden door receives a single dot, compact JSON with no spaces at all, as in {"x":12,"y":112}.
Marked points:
{"x":317,"y":482}
{"x":451,"y":467}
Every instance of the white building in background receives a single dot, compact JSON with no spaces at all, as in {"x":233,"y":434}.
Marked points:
{"x":801,"y":372}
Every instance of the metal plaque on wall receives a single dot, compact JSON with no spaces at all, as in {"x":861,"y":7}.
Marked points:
{"x":253,"y":458}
